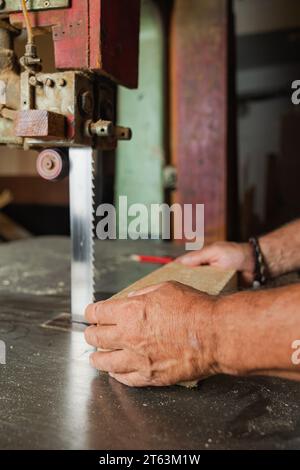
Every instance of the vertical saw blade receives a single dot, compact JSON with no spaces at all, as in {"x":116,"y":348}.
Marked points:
{"x":82,"y":230}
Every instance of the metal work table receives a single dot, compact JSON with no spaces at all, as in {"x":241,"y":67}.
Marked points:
{"x":50,"y":398}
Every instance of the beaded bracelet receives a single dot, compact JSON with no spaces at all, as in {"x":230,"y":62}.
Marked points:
{"x":260,"y":272}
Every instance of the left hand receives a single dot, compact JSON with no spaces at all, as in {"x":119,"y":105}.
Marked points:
{"x":224,"y":255}
{"x":159,"y":336}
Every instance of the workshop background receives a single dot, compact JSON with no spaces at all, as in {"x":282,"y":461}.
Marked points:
{"x":212,"y":121}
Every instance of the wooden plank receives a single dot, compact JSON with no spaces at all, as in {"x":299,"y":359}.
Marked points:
{"x":40,"y":123}
{"x":207,"y":279}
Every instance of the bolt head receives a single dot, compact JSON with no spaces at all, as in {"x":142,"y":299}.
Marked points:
{"x":33,"y":81}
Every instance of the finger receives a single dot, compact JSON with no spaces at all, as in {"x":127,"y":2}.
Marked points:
{"x":133,"y":379}
{"x":120,"y":362}
{"x":197,"y":258}
{"x":146,"y":290}
{"x":104,"y":337}
{"x":90,"y":314}
{"x":106,"y":312}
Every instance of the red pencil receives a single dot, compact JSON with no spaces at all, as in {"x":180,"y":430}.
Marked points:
{"x":152,"y":259}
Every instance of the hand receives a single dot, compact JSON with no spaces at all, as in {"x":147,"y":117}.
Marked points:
{"x":159,"y":336}
{"x":225,"y":255}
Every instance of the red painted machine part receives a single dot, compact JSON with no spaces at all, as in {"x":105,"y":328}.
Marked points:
{"x":99,"y":35}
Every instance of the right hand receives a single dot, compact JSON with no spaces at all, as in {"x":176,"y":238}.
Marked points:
{"x":225,"y":255}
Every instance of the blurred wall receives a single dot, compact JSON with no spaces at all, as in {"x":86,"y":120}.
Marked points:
{"x":268,"y":60}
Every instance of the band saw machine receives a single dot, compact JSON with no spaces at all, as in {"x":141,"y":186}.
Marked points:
{"x":68,"y":114}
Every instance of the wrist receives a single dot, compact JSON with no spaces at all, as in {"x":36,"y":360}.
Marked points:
{"x":228,"y":330}
{"x":281,"y":249}
{"x":205,"y":326}
{"x":273,"y":255}
{"x":248,"y":257}
{"x":218,"y":361}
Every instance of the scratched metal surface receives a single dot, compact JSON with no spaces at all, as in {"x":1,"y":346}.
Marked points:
{"x":51,"y":399}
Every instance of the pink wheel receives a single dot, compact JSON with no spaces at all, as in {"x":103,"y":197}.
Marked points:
{"x":52,"y":164}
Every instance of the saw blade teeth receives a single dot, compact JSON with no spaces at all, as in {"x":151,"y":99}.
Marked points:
{"x":82,"y":212}
{"x":93,"y":196}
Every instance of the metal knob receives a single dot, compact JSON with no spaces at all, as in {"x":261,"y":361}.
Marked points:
{"x":103,"y":128}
